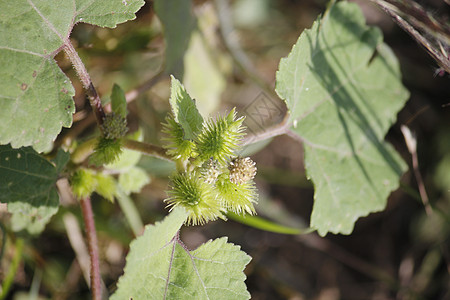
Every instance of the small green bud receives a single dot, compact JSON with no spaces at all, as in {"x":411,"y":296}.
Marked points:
{"x":242,"y":169}
{"x":176,"y":145}
{"x":220,"y":138}
{"x":196,"y":196}
{"x":106,"y":151}
{"x":83,"y":183}
{"x":114,"y":126}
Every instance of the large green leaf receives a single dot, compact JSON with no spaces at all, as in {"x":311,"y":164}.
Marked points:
{"x":36,"y":97}
{"x":159,"y":266}
{"x":28,"y":186}
{"x":184,"y":110}
{"x":178,"y":22}
{"x":343,"y":89}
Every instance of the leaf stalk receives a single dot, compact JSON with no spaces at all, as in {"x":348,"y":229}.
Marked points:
{"x":92,"y":241}
{"x":85,"y":79}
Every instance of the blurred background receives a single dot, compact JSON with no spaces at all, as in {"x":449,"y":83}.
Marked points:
{"x":400,"y":253}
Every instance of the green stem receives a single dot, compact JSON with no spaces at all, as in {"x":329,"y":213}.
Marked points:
{"x":145,"y":148}
{"x":9,"y":278}
{"x":130,"y":211}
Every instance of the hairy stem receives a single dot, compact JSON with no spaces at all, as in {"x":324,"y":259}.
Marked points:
{"x":88,"y":216}
{"x":94,"y":99}
{"x":147,"y":149}
{"x":270,"y":132}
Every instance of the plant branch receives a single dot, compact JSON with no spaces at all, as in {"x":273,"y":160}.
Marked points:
{"x":86,"y":120}
{"x":146,"y":148}
{"x":94,"y":99}
{"x":411,"y":144}
{"x":412,"y":17}
{"x":134,"y":93}
{"x":270,"y":132}
{"x":88,"y":216}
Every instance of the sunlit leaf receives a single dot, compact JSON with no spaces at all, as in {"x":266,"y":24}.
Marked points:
{"x":343,"y":89}
{"x":184,"y":110}
{"x":159,"y":266}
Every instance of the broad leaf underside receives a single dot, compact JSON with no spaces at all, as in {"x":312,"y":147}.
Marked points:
{"x":343,"y":89}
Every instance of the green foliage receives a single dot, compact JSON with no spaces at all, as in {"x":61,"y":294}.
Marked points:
{"x":184,"y":110}
{"x":159,"y":266}
{"x":342,"y":87}
{"x":205,"y":159}
{"x":28,"y":186}
{"x":34,"y":90}
{"x":178,"y":22}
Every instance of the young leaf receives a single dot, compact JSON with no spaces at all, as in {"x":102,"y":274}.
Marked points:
{"x":28,"y":186}
{"x":33,"y":88}
{"x":178,"y":22}
{"x":118,"y":101}
{"x":159,"y":266}
{"x":184,"y":110}
{"x":343,"y":89}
